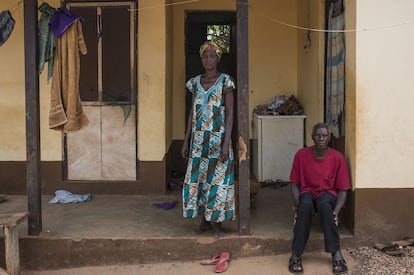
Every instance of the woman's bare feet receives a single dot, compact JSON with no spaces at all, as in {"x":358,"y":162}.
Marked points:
{"x":202,"y":227}
{"x":218,"y":229}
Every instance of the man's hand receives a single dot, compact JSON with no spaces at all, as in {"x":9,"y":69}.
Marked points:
{"x":340,"y":201}
{"x":336,"y":218}
{"x":295,"y":214}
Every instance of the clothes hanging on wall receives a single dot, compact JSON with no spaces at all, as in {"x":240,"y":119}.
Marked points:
{"x":47,"y":41}
{"x":6,"y":26}
{"x":65,"y":104}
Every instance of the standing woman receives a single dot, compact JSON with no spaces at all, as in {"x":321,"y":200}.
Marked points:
{"x":208,"y":189}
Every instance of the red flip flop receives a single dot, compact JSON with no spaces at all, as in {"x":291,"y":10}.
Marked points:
{"x":211,"y":261}
{"x":223,"y":262}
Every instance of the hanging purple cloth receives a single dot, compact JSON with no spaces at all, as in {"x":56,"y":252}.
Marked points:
{"x":62,"y":20}
{"x":6,"y":26}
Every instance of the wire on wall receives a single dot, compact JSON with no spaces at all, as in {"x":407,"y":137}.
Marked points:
{"x":15,"y":7}
{"x":407,"y":22}
{"x":267,"y":17}
{"x":166,"y":5}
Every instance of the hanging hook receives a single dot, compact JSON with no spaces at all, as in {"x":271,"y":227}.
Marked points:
{"x":100,"y":33}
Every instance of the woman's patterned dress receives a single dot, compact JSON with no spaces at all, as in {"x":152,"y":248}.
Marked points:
{"x":209,"y":183}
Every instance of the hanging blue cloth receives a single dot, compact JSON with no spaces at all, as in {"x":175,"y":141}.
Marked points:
{"x":47,"y":41}
{"x":6,"y":26}
{"x":335,"y":70}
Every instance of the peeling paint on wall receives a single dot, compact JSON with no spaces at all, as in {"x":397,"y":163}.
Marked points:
{"x":242,"y":150}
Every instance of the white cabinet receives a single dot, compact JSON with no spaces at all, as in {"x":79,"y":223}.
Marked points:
{"x":275,"y":142}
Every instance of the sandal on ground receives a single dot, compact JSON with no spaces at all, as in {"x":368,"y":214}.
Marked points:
{"x":223,"y":263}
{"x":339,"y":266}
{"x":202,"y":227}
{"x":212,"y":261}
{"x":405,"y":242}
{"x":390,"y":249}
{"x":295,"y":265}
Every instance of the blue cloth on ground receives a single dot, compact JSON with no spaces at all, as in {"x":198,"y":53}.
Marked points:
{"x":63,"y":196}
{"x":165,"y":205}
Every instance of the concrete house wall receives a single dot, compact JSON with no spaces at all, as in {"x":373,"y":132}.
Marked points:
{"x":382,"y":147}
{"x":379,"y":132}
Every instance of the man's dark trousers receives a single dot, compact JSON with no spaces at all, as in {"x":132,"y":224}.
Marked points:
{"x":324,"y":205}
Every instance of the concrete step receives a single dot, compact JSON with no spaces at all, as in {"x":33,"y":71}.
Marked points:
{"x":55,"y":253}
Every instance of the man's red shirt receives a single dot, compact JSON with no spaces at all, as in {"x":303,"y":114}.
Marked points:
{"x":329,"y":174}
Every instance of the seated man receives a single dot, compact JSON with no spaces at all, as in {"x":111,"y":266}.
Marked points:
{"x":320,"y":180}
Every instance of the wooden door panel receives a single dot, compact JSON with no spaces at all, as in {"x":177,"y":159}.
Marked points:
{"x":84,"y":148}
{"x":106,"y":149}
{"x":118,"y":144}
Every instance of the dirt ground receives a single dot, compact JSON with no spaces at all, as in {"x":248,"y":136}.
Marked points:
{"x":315,"y":263}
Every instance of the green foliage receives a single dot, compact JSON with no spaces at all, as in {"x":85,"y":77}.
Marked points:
{"x":220,"y":34}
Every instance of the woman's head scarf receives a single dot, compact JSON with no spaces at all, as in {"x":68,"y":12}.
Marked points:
{"x":211,"y":46}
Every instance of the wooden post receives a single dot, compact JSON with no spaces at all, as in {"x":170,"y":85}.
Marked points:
{"x":243,"y":115}
{"x":31,"y":52}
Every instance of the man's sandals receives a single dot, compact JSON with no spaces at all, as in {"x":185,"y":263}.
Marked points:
{"x":339,"y":266}
{"x":295,"y":265}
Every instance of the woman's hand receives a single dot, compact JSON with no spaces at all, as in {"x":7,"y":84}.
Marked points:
{"x":184,"y":151}
{"x":224,"y":155}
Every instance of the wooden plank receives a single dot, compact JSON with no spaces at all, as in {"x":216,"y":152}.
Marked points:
{"x":3,"y":272}
{"x":9,"y":222}
{"x":12,"y":219}
{"x":243,"y":116}
{"x":11,"y":243}
{"x":31,"y":47}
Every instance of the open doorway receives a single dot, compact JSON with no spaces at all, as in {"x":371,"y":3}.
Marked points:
{"x":206,"y":25}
